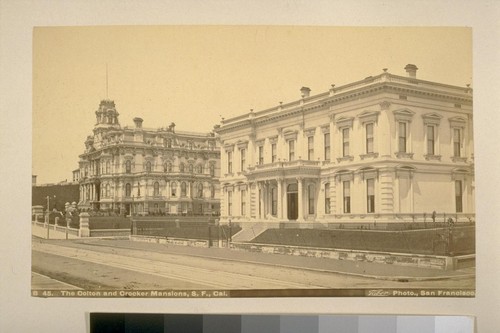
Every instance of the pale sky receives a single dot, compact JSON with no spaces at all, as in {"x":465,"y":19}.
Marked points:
{"x":193,"y":75}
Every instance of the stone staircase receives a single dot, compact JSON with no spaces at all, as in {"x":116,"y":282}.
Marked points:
{"x":247,"y":233}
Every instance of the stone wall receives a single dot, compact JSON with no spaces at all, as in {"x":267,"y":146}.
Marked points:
{"x":173,"y":241}
{"x":422,"y":261}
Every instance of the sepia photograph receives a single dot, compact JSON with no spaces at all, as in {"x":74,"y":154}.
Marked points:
{"x":229,"y":161}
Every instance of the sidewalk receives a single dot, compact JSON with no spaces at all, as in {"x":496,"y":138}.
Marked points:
{"x":353,"y":268}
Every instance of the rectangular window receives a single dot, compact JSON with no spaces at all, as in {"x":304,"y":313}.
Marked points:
{"x":261,"y":155}
{"x":327,"y":146}
{"x":345,"y":142}
{"x":369,"y":138}
{"x":327,"y":198}
{"x":229,"y":162}
{"x":430,"y":140}
{"x":291,"y":150}
{"x":370,"y":195}
{"x":456,"y":142}
{"x":229,"y":203}
{"x":402,"y":137}
{"x":311,"y":199}
{"x":347,"y":196}
{"x":243,"y":202}
{"x":243,"y":159}
{"x":274,"y":155}
{"x":310,"y":148}
{"x":458,"y":196}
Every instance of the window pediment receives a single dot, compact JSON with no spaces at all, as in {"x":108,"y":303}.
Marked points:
{"x":310,"y":131}
{"x":229,"y":147}
{"x":242,"y":144}
{"x":344,"y":122}
{"x":344,"y":175}
{"x":273,"y":139}
{"x":432,"y":119}
{"x":403,"y":115}
{"x":368,"y":173}
{"x":290,"y":135}
{"x":457,"y":122}
{"x":368,"y":117}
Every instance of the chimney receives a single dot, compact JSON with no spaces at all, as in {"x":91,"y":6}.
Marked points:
{"x":411,"y":70}
{"x":138,"y":122}
{"x":305,"y":92}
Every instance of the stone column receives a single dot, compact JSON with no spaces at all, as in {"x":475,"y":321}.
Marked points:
{"x":265,"y":198}
{"x":320,"y":202}
{"x":260,"y":194}
{"x":280,"y":197}
{"x":84,"y":225}
{"x":300,"y":182}
{"x":248,"y":212}
{"x":284,"y":202}
{"x":333,"y":151}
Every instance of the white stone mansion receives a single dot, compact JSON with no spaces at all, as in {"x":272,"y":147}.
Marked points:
{"x":388,"y":148}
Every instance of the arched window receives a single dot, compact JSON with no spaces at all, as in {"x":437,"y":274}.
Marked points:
{"x":128,"y":190}
{"x":212,"y":170}
{"x":181,"y":167}
{"x":173,"y":188}
{"x":200,"y":190}
{"x":199,"y":168}
{"x":183,"y":189}
{"x":148,"y":166}
{"x":190,"y":168}
{"x":128,"y":166}
{"x":108,"y":164}
{"x":156,"y":189}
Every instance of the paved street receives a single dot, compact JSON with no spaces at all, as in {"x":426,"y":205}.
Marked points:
{"x":122,"y":264}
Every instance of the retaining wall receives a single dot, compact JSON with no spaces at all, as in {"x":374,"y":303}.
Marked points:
{"x":109,"y":232}
{"x":174,"y":241}
{"x":402,"y":259}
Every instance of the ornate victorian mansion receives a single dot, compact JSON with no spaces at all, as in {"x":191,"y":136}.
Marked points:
{"x":388,"y":148}
{"x":148,"y":171}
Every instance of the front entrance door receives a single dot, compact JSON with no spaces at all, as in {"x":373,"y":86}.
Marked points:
{"x":292,"y":204}
{"x":292,"y":201}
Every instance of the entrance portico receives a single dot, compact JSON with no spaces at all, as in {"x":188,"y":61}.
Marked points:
{"x":276,"y":191}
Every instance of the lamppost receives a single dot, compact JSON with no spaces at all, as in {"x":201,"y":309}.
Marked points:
{"x":48,"y":214}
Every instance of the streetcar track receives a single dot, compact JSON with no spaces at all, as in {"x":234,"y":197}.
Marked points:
{"x":167,"y":269}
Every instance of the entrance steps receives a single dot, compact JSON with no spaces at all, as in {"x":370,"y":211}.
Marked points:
{"x":247,"y":233}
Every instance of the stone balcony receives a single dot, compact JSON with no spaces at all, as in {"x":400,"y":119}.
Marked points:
{"x":282,"y":169}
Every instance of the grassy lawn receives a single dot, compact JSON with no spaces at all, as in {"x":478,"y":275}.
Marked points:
{"x":424,"y":241}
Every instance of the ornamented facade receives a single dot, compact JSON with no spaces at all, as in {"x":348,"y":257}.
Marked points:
{"x":387,"y":148}
{"x":148,"y":171}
